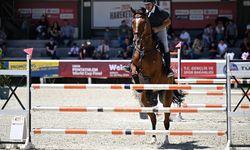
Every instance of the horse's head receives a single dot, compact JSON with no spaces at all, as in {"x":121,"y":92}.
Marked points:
{"x":140,"y":26}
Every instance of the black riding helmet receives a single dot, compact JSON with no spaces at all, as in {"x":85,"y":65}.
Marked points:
{"x":148,"y":1}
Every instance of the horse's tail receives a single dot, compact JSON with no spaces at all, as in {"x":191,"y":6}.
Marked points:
{"x":178,"y":96}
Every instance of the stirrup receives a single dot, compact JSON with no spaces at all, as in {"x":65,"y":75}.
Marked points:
{"x":169,"y":72}
{"x":127,"y":68}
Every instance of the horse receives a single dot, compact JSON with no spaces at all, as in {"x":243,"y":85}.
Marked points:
{"x":147,"y":62}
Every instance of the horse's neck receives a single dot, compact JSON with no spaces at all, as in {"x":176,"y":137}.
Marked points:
{"x":148,"y":41}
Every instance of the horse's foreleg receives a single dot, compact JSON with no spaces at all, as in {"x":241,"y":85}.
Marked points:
{"x":167,"y":103}
{"x":166,"y":124}
{"x":135,"y":61}
{"x":152,"y":116}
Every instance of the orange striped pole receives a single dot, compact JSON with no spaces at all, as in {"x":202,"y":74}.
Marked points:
{"x":213,"y":93}
{"x":129,"y":86}
{"x":129,"y":132}
{"x":211,"y":81}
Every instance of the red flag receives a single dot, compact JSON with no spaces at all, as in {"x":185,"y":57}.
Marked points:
{"x":178,"y":45}
{"x":28,"y":51}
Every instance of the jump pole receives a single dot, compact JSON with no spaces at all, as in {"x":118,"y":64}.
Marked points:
{"x":129,"y":132}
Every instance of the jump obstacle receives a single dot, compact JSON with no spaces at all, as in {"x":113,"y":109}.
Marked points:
{"x":129,"y":132}
{"x":129,"y":109}
{"x":134,"y":87}
{"x":211,"y":81}
{"x":129,"y":86}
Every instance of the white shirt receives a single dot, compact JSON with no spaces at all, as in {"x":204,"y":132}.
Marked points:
{"x":222,"y":47}
{"x":74,"y":50}
{"x":152,"y":11}
{"x":103,"y":47}
{"x":185,"y":36}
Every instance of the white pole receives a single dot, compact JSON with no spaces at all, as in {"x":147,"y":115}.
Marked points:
{"x":179,"y":64}
{"x":89,"y":80}
{"x":228,"y":98}
{"x":28,"y":93}
{"x":179,"y":117}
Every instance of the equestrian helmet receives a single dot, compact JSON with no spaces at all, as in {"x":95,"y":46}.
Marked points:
{"x":148,"y":1}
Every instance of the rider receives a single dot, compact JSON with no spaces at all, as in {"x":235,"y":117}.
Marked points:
{"x":159,"y":20}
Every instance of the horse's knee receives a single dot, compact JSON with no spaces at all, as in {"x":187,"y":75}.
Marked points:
{"x":152,"y":98}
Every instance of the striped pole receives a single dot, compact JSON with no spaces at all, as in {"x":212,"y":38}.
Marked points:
{"x":211,"y":81}
{"x":173,"y":53}
{"x":242,"y":106}
{"x":213,"y":93}
{"x":129,"y":132}
{"x":128,"y":109}
{"x":129,"y":86}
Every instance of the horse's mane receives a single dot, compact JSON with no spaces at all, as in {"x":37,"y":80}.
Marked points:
{"x":141,"y":11}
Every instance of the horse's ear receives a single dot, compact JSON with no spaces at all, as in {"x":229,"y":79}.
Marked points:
{"x":143,"y":10}
{"x":133,"y":11}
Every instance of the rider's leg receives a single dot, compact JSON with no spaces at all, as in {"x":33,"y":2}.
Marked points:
{"x":162,"y":36}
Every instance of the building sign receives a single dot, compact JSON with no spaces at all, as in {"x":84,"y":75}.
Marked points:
{"x":55,"y":11}
{"x":198,"y":15}
{"x":110,"y":14}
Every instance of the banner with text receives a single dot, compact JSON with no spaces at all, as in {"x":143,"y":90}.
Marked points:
{"x":108,"y":69}
{"x":39,"y":68}
{"x":195,"y":15}
{"x":55,"y":11}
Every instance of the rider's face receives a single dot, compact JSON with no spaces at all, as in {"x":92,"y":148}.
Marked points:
{"x":149,"y":6}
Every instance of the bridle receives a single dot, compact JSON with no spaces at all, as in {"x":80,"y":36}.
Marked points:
{"x":138,"y":36}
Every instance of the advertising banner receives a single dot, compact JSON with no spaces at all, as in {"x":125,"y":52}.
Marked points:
{"x":114,"y":68}
{"x":39,"y":68}
{"x":55,"y":11}
{"x":190,"y":15}
{"x":202,"y":69}
{"x":99,"y":69}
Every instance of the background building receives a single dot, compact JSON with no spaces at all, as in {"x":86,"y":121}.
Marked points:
{"x":90,"y":17}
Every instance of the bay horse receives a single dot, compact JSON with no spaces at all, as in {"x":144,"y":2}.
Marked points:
{"x":147,"y":62}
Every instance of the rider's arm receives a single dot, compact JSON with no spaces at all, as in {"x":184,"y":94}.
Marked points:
{"x":166,"y":23}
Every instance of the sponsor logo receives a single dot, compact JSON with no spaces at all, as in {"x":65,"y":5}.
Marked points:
{"x":115,"y":67}
{"x":233,"y":67}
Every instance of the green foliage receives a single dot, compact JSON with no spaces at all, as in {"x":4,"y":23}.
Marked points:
{"x":4,"y":80}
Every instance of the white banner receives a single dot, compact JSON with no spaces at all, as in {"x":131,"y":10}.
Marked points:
{"x":110,"y":14}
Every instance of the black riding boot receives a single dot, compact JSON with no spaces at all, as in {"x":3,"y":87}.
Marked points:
{"x":136,"y":78}
{"x":169,"y":72}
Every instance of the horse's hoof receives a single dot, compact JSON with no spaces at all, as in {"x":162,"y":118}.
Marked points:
{"x":179,"y":118}
{"x":166,"y":141}
{"x":139,"y":91}
{"x":153,"y":140}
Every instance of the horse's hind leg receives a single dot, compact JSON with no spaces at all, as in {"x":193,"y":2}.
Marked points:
{"x":167,"y":103}
{"x":152,"y":116}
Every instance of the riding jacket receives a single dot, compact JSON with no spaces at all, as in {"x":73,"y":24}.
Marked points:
{"x":157,"y":15}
